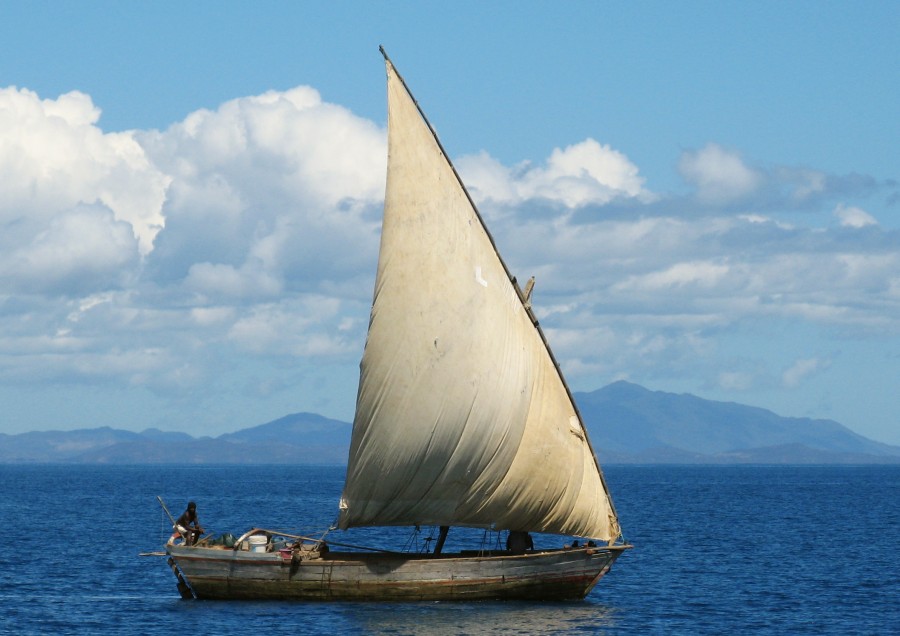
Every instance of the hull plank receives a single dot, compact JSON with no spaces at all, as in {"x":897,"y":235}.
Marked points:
{"x":215,"y":573}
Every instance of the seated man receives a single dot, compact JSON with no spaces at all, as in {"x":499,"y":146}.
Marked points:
{"x":518,"y":542}
{"x":187,"y":526}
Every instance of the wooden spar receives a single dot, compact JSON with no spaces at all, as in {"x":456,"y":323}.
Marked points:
{"x":529,"y":286}
{"x":526,"y":301}
{"x":183,"y":588}
{"x":169,"y":514}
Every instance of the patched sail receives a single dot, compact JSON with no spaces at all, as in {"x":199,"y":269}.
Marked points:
{"x":462,"y":417}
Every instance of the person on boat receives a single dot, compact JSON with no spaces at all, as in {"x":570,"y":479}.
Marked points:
{"x":518,"y":542}
{"x":188,"y":526}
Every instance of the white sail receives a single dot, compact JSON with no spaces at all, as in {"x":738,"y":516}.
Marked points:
{"x":462,"y":417}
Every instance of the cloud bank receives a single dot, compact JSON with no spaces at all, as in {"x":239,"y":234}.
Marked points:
{"x":248,"y":235}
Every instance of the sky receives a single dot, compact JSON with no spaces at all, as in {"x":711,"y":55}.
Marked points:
{"x":708,"y":194}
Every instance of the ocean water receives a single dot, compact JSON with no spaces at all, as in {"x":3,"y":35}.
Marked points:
{"x":743,"y":549}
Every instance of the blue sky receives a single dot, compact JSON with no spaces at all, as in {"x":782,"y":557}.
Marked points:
{"x":706,"y":192}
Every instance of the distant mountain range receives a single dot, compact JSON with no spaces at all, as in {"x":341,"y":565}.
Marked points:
{"x":630,"y":424}
{"x":626,"y":423}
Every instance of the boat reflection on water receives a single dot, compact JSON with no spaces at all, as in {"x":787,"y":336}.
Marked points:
{"x":489,"y":617}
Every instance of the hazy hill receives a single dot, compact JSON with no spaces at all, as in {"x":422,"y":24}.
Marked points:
{"x":626,"y":422}
{"x":629,"y":423}
{"x":301,"y":438}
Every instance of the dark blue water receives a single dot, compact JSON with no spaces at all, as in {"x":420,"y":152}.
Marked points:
{"x":778,"y":550}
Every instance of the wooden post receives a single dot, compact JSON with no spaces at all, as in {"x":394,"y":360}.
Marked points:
{"x":440,"y":542}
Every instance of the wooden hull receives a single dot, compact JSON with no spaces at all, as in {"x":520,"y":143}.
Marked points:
{"x":218,"y":573}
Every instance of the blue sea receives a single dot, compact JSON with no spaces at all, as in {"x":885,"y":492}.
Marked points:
{"x":736,"y":549}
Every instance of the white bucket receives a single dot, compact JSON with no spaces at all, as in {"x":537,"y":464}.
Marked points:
{"x":258,"y":543}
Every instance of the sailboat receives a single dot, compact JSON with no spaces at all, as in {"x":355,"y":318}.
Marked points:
{"x":463,"y":419}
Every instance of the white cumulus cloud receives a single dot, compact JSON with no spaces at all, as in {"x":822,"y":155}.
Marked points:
{"x":720,"y":175}
{"x":54,"y":157}
{"x":265,"y":187}
{"x":586,"y":173}
{"x":144,"y":258}
{"x":78,"y":250}
{"x":851,"y":216}
{"x":800,"y":370}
